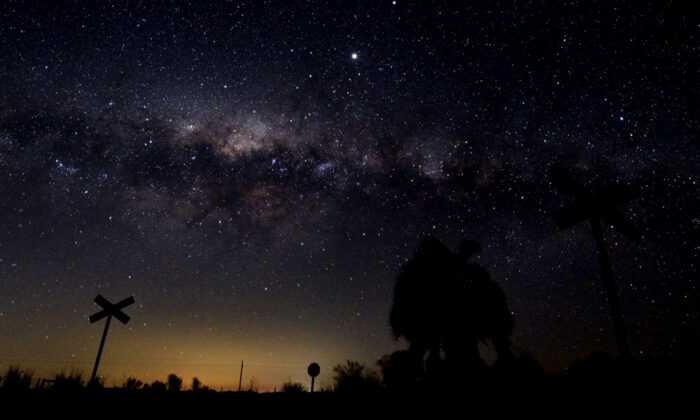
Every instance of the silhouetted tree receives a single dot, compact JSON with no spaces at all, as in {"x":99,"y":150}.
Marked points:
{"x":196,"y":384}
{"x":485,"y":315}
{"x":352,"y":377}
{"x":156,"y":386}
{"x":445,"y":305}
{"x":420,"y":298}
{"x":174,"y":382}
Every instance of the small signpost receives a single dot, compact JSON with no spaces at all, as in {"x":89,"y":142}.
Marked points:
{"x":594,"y":207}
{"x":313,"y":370}
{"x":108,"y":311}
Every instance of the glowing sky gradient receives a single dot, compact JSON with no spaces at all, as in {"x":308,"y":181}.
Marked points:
{"x":255,"y":173}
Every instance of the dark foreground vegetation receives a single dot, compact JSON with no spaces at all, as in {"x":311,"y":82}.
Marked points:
{"x":595,"y":385}
{"x":444,"y":307}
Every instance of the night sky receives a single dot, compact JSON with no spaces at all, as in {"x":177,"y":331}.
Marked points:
{"x":255,"y":174}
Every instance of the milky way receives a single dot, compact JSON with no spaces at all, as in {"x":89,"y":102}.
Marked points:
{"x":256,"y":173}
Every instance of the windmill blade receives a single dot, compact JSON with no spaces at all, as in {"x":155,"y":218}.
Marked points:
{"x":567,"y":182}
{"x":622,"y":225}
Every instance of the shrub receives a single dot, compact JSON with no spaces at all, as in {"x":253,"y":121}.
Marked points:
{"x":132,"y":383}
{"x":354,"y":378}
{"x":293,"y":387}
{"x":16,"y":379}
{"x":69,"y":382}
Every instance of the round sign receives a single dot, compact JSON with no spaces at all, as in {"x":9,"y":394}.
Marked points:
{"x":314,"y":370}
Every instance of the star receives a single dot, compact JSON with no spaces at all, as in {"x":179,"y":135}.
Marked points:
{"x":230,"y":156}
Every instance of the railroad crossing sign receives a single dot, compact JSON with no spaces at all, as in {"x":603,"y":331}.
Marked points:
{"x":313,"y":370}
{"x":109,"y":310}
{"x":594,"y":207}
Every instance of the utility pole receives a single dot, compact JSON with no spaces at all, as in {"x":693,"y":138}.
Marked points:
{"x":240,"y":378}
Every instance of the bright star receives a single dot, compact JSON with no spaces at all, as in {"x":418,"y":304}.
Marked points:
{"x":354,"y":56}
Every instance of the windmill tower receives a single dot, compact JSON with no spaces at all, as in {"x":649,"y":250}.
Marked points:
{"x":595,"y":207}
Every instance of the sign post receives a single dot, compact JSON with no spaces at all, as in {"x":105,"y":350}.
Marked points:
{"x":313,"y":370}
{"x":109,"y":310}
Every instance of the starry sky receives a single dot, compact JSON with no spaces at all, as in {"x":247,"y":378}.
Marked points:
{"x":255,"y":173}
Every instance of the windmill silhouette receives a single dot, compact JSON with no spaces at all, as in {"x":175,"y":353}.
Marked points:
{"x":596,"y":207}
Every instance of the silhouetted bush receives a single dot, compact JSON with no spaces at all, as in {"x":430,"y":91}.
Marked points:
{"x":401,"y":370}
{"x":157,"y":386}
{"x":97,"y":383}
{"x":353,"y":378}
{"x":252,"y":385}
{"x":72,"y":381}
{"x":132,"y":383}
{"x":293,"y":387}
{"x":17,"y":379}
{"x":521,"y":371}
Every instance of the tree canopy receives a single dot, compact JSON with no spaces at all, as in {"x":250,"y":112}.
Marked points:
{"x":444,"y":306}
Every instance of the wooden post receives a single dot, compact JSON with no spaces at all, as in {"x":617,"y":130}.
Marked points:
{"x":240,"y":378}
{"x":99,"y":352}
{"x":109,"y":310}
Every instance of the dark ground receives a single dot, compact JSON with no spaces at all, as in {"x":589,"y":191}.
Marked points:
{"x":557,"y":398}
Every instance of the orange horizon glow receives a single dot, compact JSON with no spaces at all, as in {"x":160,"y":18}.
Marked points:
{"x":270,"y":360}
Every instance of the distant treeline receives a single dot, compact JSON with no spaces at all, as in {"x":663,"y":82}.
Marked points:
{"x":598,"y":370}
